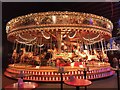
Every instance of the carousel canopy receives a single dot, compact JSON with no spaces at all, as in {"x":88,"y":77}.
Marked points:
{"x":41,"y":27}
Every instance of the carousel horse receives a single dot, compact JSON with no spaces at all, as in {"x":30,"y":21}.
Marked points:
{"x":83,"y":55}
{"x":91,"y":57}
{"x":14,"y":55}
{"x":22,"y":58}
{"x":36,"y":59}
{"x":42,"y":56}
{"x":104,"y":56}
{"x":79,"y":55}
{"x":96,"y":53}
{"x":29,"y":55}
{"x":54,"y":53}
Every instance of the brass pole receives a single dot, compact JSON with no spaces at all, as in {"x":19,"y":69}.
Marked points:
{"x":40,"y":50}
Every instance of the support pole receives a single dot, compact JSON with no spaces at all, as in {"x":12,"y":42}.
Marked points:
{"x":102,"y":45}
{"x":105,"y":46}
{"x":40,"y":49}
{"x":14,"y":45}
{"x":51,"y":45}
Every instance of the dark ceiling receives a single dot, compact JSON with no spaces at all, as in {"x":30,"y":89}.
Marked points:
{"x":110,"y":10}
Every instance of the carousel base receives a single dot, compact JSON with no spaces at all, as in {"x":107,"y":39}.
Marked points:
{"x":46,"y":73}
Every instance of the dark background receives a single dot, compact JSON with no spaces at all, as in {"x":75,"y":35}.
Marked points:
{"x":11,"y":10}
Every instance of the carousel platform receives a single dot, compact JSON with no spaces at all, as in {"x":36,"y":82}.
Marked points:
{"x":46,"y":73}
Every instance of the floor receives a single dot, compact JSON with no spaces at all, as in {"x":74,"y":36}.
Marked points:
{"x":101,"y":84}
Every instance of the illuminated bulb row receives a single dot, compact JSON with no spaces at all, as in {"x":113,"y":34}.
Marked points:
{"x":66,"y":74}
{"x":92,"y":76}
{"x":95,"y":71}
{"x":76,"y":72}
{"x":82,"y":72}
{"x":89,"y":77}
{"x":64,"y":78}
{"x":25,"y":78}
{"x":28,"y":72}
{"x":92,"y":71}
{"x":40,"y":73}
{"x":69,"y":73}
{"x":73,"y":72}
{"x":88,"y":72}
{"x":67,"y":78}
{"x":84,"y":15}
{"x":57,"y":79}
{"x":36,"y":73}
{"x":53,"y":78}
{"x":56,"y":74}
{"x":79,"y":72}
{"x":45,"y":78}
{"x":77,"y":77}
{"x":81,"y":77}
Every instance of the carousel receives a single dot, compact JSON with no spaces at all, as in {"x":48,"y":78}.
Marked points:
{"x":47,"y":41}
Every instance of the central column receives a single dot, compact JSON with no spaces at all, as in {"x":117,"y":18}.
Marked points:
{"x":59,"y":40}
